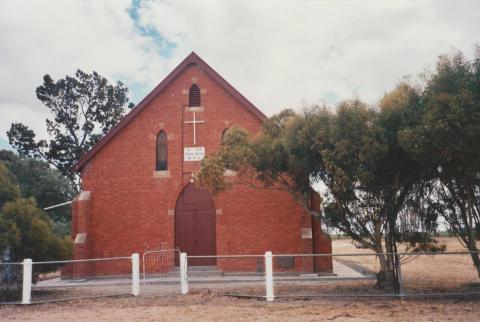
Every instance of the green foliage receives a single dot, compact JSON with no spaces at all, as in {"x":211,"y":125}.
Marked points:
{"x":8,"y":187}
{"x":421,"y":242}
{"x":36,"y":179}
{"x":273,"y":160}
{"x":354,"y":151}
{"x":85,"y":108}
{"x":27,"y":233}
{"x":446,"y":141}
{"x":450,"y":129}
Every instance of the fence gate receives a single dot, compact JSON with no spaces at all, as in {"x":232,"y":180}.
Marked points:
{"x":159,"y":273}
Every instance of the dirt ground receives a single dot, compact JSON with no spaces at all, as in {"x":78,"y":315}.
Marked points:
{"x":204,"y":306}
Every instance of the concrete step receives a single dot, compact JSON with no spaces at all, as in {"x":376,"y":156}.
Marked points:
{"x":202,"y":268}
{"x":200,"y":271}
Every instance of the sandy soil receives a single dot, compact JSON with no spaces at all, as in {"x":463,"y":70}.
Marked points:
{"x":205,"y":306}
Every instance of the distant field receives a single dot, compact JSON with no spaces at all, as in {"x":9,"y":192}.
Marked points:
{"x":424,"y":273}
{"x":346,"y":245}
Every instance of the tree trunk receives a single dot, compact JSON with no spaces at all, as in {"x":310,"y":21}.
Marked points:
{"x":470,"y":230}
{"x":386,"y":273}
{"x":392,"y":249}
{"x":476,"y":262}
{"x":385,"y":276}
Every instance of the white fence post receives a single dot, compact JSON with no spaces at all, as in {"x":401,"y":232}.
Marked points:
{"x":27,"y":281}
{"x":269,"y":275}
{"x":135,"y":274}
{"x":183,"y":273}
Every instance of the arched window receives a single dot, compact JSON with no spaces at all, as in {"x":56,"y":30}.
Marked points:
{"x":162,"y":151}
{"x":194,"y":96}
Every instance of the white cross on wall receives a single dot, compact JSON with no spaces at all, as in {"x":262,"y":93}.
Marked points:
{"x":194,"y":122}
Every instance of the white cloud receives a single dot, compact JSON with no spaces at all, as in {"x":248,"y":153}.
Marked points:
{"x":275,"y":52}
{"x":58,"y":37}
{"x":280,"y":52}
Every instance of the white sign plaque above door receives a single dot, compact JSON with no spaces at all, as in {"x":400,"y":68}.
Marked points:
{"x":194,"y":153}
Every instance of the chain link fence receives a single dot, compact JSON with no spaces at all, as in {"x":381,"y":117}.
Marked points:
{"x":11,"y":281}
{"x":269,"y":276}
{"x":76,"y":279}
{"x":357,"y":275}
{"x":438,"y":274}
{"x":235,"y":275}
{"x":307,"y":275}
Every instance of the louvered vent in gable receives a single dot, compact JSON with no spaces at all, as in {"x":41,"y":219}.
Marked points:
{"x":194,"y":96}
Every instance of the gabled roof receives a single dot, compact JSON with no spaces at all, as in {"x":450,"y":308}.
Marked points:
{"x":192,"y":58}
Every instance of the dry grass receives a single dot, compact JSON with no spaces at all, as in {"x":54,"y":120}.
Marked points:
{"x":345,"y":246}
{"x":424,"y":273}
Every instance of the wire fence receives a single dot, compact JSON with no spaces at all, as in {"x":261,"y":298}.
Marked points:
{"x":11,"y":281}
{"x":356,"y":275}
{"x":336,"y":275}
{"x":167,"y":272}
{"x":67,"y":280}
{"x":307,"y":275}
{"x":236,"y":275}
{"x":442,"y":273}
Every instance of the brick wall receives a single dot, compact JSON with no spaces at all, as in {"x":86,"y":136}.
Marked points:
{"x":132,"y":209}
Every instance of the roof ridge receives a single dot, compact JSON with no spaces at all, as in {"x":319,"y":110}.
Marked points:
{"x":191,"y":58}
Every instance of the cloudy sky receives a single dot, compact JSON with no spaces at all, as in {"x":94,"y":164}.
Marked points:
{"x":277,"y":53}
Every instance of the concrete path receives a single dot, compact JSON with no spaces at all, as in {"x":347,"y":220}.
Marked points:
{"x":346,"y":272}
{"x":340,"y":272}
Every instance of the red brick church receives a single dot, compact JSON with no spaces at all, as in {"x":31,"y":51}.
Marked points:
{"x":137,"y":190}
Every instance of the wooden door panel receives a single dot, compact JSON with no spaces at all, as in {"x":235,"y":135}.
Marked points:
{"x":195,"y":225}
{"x":205,"y":228}
{"x":185,"y":230}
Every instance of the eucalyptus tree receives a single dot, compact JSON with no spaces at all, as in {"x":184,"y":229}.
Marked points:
{"x":282,"y":157}
{"x":447,"y":143}
{"x":84,"y":108}
{"x":350,"y":150}
{"x":369,"y":176}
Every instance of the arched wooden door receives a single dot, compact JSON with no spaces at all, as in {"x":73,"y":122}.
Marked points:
{"x":195,"y":225}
